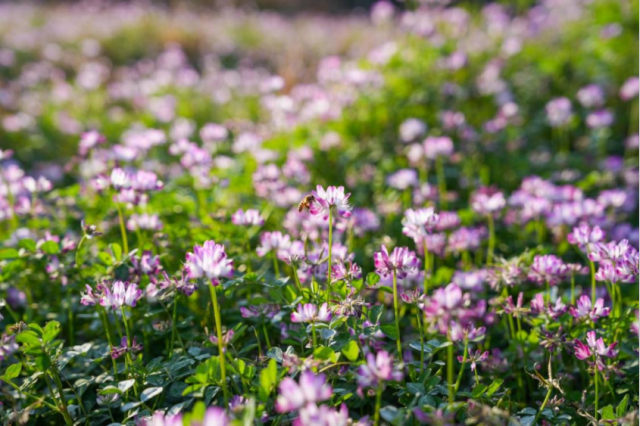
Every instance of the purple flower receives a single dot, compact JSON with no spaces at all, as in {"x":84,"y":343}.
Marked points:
{"x":144,"y":221}
{"x":210,"y":261}
{"x":591,"y":96}
{"x":378,"y":369}
{"x":547,"y":268}
{"x":311,"y":414}
{"x":401,"y":261}
{"x":596,"y":349}
{"x":611,"y":251}
{"x":447,"y":220}
{"x":403,"y":179}
{"x":250,"y":217}
{"x":599,"y":119}
{"x":255,"y":311}
{"x":583,"y":309}
{"x":436,"y":146}
{"x":311,"y":388}
{"x":418,"y":223}
{"x":630,"y":88}
{"x":326,"y":200}
{"x":124,"y":348}
{"x":411,"y":128}
{"x":487,"y":201}
{"x":119,"y":295}
{"x":559,"y":112}
{"x":473,"y":359}
{"x":584,"y":235}
{"x":310,"y":313}
{"x":273,"y":242}
{"x":120,"y":179}
{"x":458,"y":333}
{"x":148,"y":264}
{"x":609,"y":273}
{"x":516,"y":310}
{"x":340,"y":272}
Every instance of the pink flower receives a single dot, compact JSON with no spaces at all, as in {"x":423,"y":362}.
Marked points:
{"x":401,"y":261}
{"x":273,"y":242}
{"x":547,"y":268}
{"x":583,"y":235}
{"x":596,"y":348}
{"x":326,"y":200}
{"x":121,"y":294}
{"x":583,"y":309}
{"x":250,"y":217}
{"x":473,"y":359}
{"x":209,"y":261}
{"x":487,"y":201}
{"x":310,"y":313}
{"x":418,"y":223}
{"x":378,"y":369}
{"x":311,"y":389}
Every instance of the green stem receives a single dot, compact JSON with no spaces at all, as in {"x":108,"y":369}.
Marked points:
{"x":376,"y":416}
{"x":276,"y":268}
{"x":173,"y":324}
{"x":223,"y":369}
{"x":330,"y":256}
{"x":84,"y":237}
{"x":593,"y":282}
{"x":63,"y":402}
{"x":313,"y":333}
{"x":123,"y":230}
{"x":442,"y":183}
{"x":573,"y":289}
{"x":492,"y":240}
{"x":464,"y":359}
{"x":296,"y":280}
{"x":595,"y":415}
{"x":105,"y":324}
{"x":450,"y":383}
{"x":426,"y":266}
{"x":266,"y":335}
{"x":418,"y":315}
{"x":397,"y":314}
{"x":544,"y":403}
{"x":548,"y":293}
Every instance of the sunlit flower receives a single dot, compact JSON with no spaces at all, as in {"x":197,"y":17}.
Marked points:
{"x":208,"y":261}
{"x":311,"y":388}
{"x":324,"y":200}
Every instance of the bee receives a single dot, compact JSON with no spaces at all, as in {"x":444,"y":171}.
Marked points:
{"x":306,"y":203}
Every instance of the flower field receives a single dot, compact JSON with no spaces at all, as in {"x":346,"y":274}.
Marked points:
{"x":411,"y":213}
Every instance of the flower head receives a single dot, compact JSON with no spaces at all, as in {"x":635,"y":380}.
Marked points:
{"x":547,"y":268}
{"x":325,"y":200}
{"x":250,"y":217}
{"x":209,"y":261}
{"x":310,"y":313}
{"x":311,"y":388}
{"x":583,"y":309}
{"x":401,"y":261}
{"x":378,"y":369}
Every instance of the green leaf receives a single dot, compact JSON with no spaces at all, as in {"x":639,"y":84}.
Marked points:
{"x":607,"y":413}
{"x":12,"y":372}
{"x":28,"y":338}
{"x":125,"y":385}
{"x":268,"y":378}
{"x":9,"y":253}
{"x":351,"y":350}
{"x":493,"y":387}
{"x":324,"y":353}
{"x":622,"y":407}
{"x":389,"y":330}
{"x":50,"y":331}
{"x":149,"y":393}
{"x":375,"y":313}
{"x":372,"y":279}
{"x":116,"y":250}
{"x":50,"y":247}
{"x":27,"y":244}
{"x":109,"y":390}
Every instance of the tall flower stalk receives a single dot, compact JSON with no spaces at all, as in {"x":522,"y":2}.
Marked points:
{"x":210,"y":261}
